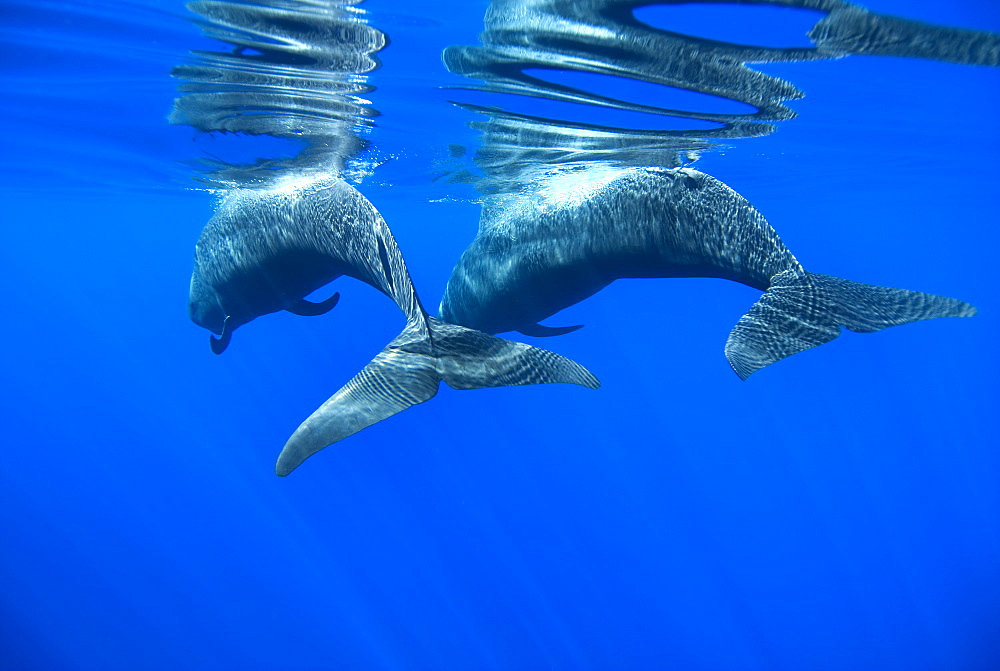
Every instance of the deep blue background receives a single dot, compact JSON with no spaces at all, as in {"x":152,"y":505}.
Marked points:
{"x":838,"y":511}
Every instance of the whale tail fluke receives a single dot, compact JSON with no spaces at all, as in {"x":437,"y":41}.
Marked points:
{"x":408,"y":371}
{"x":802,"y":311}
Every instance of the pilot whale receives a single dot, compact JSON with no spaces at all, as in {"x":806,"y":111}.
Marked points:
{"x":244,"y":269}
{"x":267,"y":248}
{"x":539,"y":252}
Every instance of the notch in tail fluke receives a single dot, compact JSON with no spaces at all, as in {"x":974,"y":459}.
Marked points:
{"x":408,"y":371}
{"x":802,"y":311}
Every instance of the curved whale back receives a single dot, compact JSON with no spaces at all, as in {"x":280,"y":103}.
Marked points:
{"x":265,"y":249}
{"x":540,"y":251}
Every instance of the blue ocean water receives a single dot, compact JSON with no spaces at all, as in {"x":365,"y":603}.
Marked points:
{"x":838,"y":511}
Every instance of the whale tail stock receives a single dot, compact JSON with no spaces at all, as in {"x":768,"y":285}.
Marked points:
{"x":408,"y":371}
{"x":802,"y":311}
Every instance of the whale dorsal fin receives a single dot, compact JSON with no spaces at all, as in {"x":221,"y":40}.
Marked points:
{"x":539,"y":331}
{"x":304,"y":308}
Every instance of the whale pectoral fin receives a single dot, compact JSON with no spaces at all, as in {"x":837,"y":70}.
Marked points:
{"x":539,"y":331}
{"x":220,"y":344}
{"x":304,"y":308}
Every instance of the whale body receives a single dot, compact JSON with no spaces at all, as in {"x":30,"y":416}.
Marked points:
{"x":537,"y":253}
{"x":244,"y":268}
{"x":313,"y":231}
